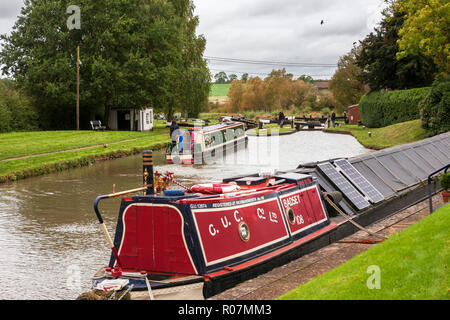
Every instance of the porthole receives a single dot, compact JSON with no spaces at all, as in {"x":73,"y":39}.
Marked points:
{"x":291,"y":216}
{"x":244,"y":232}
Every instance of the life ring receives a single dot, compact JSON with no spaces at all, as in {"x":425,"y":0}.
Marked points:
{"x":211,"y":188}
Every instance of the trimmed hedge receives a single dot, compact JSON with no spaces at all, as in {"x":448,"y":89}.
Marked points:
{"x":382,"y":109}
{"x":435,"y":110}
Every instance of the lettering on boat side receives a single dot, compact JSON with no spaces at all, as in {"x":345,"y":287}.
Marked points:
{"x":291,"y":201}
{"x":225,"y":204}
{"x":272,"y":215}
{"x":213,"y":231}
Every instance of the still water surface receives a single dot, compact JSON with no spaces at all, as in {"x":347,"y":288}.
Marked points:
{"x":50,"y":238}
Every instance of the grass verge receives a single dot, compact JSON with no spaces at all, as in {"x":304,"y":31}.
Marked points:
{"x":397,"y":134}
{"x":413,"y":265}
{"x":219,"y":90}
{"x":118,"y":144}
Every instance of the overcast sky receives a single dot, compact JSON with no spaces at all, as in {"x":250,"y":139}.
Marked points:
{"x":270,"y":30}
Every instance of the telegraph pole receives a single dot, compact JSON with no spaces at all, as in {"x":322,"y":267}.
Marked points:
{"x":74,"y":22}
{"x":78,"y":87}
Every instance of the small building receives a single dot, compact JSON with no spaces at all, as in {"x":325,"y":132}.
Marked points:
{"x":123,"y":119}
{"x":354,"y":114}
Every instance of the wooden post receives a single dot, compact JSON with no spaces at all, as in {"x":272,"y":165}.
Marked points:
{"x":78,"y":88}
{"x":147,"y":157}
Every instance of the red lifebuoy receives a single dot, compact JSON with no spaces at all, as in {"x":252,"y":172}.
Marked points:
{"x":215,"y":188}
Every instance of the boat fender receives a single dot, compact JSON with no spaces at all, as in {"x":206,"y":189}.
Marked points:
{"x":215,"y":188}
{"x":335,"y":196}
{"x":174,"y":193}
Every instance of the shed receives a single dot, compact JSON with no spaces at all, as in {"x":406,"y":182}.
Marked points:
{"x":354,"y":114}
{"x":123,"y":119}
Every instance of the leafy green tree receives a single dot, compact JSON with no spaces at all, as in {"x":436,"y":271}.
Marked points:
{"x":232,"y":77}
{"x":426,"y":31}
{"x":306,"y":78}
{"x":377,"y":57}
{"x":134,"y":53}
{"x":221,"y":77}
{"x":244,"y":77}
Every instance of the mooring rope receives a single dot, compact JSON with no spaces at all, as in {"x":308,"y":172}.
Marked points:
{"x":350,"y":219}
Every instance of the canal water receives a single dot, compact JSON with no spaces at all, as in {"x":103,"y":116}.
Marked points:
{"x":51,"y":243}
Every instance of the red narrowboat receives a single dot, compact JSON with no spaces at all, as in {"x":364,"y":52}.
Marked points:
{"x":186,"y":242}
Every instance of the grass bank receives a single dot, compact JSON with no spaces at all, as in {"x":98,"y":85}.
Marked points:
{"x":219,"y":90}
{"x":28,"y":154}
{"x":380,"y":138}
{"x":413,"y":265}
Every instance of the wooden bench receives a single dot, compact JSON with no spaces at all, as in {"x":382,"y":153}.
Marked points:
{"x":97,"y":125}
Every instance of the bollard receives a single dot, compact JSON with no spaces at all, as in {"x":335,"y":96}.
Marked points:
{"x":147,"y":168}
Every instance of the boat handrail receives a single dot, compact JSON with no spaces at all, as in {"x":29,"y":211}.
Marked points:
{"x":110,"y":196}
{"x":430,"y":196}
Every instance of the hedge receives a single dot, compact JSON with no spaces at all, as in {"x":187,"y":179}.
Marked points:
{"x":382,"y":109}
{"x":435,"y":110}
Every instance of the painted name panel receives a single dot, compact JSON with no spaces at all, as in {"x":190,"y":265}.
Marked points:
{"x":224,"y":231}
{"x":303,"y":209}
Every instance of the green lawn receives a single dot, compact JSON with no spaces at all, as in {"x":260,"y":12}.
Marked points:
{"x":413,"y":264}
{"x":219,"y":90}
{"x":14,"y":145}
{"x":386,"y":137}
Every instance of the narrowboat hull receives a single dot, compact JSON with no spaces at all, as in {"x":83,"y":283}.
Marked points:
{"x":191,"y":242}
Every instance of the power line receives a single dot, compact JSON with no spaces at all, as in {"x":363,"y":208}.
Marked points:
{"x":266,"y":74}
{"x":272,"y":63}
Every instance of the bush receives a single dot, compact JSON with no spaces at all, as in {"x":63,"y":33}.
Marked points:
{"x":435,"y":112}
{"x":5,"y":118}
{"x":445,"y":181}
{"x":16,"y":112}
{"x":382,"y":109}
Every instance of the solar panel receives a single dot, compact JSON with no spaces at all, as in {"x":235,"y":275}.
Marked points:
{"x":359,"y":181}
{"x":343,"y":185}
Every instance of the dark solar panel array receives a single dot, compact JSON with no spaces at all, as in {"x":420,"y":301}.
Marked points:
{"x":359,"y":181}
{"x":344,"y":185}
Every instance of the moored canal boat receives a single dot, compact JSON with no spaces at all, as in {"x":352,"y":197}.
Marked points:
{"x":196,"y":242}
{"x":198,"y":145}
{"x":194,"y":238}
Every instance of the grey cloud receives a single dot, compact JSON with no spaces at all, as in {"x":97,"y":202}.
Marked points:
{"x":10,"y":9}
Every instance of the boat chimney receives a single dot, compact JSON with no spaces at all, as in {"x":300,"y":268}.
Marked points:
{"x":147,"y":168}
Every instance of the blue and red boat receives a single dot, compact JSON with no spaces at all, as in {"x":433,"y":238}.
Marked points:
{"x":189,"y":240}
{"x":198,"y":241}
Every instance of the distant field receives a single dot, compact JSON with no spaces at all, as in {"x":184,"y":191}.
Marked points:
{"x":219,"y":90}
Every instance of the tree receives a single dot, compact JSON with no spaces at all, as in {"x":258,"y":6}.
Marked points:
{"x":235,"y":97}
{"x":244,"y":77}
{"x":232,"y":77}
{"x":426,"y":31}
{"x":306,"y":78}
{"x":345,"y":85}
{"x":134,"y":53}
{"x":377,"y":58}
{"x":221,"y":77}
